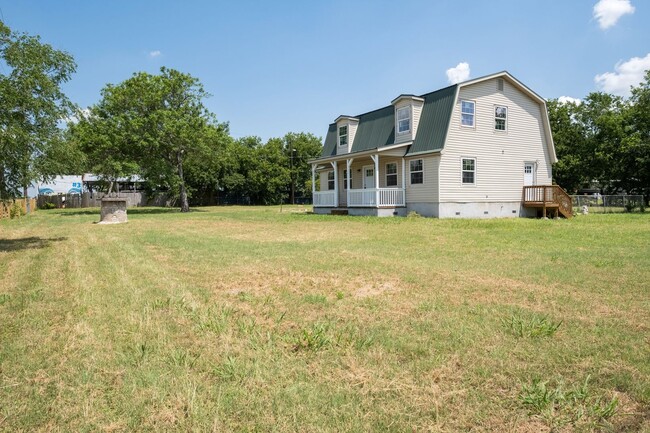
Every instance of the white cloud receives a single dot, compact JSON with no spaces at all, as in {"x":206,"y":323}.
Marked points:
{"x":626,"y":74}
{"x":569,"y":100}
{"x":155,"y":53}
{"x":608,"y":12}
{"x":83,"y":113}
{"x":459,"y":73}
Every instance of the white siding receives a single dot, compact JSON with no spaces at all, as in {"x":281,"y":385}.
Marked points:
{"x":352,"y":132}
{"x":426,"y":192}
{"x":500,"y":156}
{"x":416,"y":111}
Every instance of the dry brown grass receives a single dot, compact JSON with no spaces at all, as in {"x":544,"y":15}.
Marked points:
{"x":248,"y":319}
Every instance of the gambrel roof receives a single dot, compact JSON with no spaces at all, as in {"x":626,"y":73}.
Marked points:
{"x":376,"y":128}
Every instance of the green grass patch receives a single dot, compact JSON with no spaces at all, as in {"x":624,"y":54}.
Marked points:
{"x":257,"y":319}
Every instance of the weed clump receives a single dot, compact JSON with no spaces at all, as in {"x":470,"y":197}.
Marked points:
{"x":531,"y":327}
{"x":558,"y":406}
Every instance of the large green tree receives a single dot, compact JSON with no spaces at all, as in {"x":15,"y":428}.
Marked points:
{"x":152,"y":125}
{"x":300,"y":148}
{"x":604,"y":140}
{"x":32,"y":107}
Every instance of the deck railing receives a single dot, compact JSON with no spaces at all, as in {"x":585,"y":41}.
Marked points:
{"x":548,"y":196}
{"x":324,"y":198}
{"x":376,"y":197}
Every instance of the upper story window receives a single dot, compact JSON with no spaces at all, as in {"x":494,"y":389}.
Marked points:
{"x":391,"y":174}
{"x":469,"y":171}
{"x":403,"y":120}
{"x":417,"y":172}
{"x":330,"y":180}
{"x":343,"y":135}
{"x":500,"y":117}
{"x":467,"y":113}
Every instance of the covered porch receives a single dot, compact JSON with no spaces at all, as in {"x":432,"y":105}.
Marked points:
{"x":375,"y":180}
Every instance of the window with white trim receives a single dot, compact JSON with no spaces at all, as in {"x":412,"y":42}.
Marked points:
{"x":343,"y":135}
{"x":391,"y":174}
{"x":403,"y":120}
{"x":469,"y":171}
{"x":467,"y":113}
{"x":500,"y":117}
{"x":345,"y":179}
{"x":330,"y":180}
{"x":416,"y":170}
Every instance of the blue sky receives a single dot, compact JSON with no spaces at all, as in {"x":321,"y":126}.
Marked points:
{"x":280,"y":66}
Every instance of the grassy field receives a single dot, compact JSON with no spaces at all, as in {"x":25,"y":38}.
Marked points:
{"x":252,"y":319}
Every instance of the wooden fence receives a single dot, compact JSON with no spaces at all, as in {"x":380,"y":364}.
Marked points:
{"x":133,"y":199}
{"x":5,"y":206}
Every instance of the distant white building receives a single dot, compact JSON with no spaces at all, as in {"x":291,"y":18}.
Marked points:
{"x":88,"y":182}
{"x":62,"y":185}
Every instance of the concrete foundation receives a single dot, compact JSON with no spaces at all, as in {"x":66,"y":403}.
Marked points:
{"x":364,"y":211}
{"x":510,"y":209}
{"x":113,"y":210}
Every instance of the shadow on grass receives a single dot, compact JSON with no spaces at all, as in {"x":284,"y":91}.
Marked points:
{"x":129,"y":211}
{"x":29,"y":243}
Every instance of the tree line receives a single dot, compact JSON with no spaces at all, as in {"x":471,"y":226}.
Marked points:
{"x":603,"y":142}
{"x":154,"y":126}
{"x":157,"y":127}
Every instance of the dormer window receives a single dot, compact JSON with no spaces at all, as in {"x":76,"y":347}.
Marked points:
{"x":403,"y":120}
{"x":343,"y":135}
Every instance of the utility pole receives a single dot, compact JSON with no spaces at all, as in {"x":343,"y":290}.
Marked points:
{"x":291,"y":151}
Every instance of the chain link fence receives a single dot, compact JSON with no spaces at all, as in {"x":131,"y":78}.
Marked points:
{"x":607,"y":203}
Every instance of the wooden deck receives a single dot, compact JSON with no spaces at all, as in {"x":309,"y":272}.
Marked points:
{"x":552,"y":199}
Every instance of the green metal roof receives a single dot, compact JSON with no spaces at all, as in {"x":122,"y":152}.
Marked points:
{"x":329,"y":148}
{"x":434,"y":120}
{"x":377,"y":128}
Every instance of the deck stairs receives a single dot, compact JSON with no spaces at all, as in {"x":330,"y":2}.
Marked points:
{"x":552,"y":200}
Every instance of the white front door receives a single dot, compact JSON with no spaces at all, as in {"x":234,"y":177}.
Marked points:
{"x":368,"y":177}
{"x":529,"y":174}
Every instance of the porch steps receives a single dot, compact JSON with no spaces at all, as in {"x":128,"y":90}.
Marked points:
{"x":550,"y":199}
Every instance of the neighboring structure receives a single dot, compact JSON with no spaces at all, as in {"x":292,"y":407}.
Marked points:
{"x":463,"y":151}
{"x":88,"y":182}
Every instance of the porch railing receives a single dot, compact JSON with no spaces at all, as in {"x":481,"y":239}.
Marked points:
{"x":376,"y":197}
{"x":548,"y":196}
{"x":324,"y":198}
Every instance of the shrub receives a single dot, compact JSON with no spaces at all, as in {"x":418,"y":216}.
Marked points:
{"x":16,"y":211}
{"x":48,"y":205}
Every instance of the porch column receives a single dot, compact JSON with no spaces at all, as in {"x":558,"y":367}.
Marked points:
{"x":336,"y":183}
{"x":348,"y":164}
{"x":375,"y":159}
{"x":313,"y":181}
{"x":403,"y":181}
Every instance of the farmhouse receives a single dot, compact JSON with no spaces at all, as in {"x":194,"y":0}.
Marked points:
{"x":478,"y":149}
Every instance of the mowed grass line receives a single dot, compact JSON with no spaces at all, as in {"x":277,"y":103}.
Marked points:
{"x":252,"y":319}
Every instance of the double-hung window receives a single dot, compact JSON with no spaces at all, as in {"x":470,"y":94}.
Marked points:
{"x":403,"y":120}
{"x":469,"y":171}
{"x":330,"y":180}
{"x":467,"y":113}
{"x":343,"y":135}
{"x":416,"y":170}
{"x":345,"y":179}
{"x":391,"y":174}
{"x":500,"y":118}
